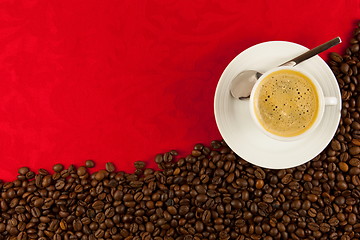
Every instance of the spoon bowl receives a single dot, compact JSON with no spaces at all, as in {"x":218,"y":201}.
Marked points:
{"x":243,"y":83}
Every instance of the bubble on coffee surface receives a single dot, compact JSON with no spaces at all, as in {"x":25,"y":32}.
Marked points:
{"x":287,"y":103}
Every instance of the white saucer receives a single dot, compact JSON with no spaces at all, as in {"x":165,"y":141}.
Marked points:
{"x":240,"y":132}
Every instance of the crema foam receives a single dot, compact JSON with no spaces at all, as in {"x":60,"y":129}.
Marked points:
{"x":286,"y":103}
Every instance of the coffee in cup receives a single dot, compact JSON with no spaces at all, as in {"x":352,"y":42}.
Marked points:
{"x":287,"y":103}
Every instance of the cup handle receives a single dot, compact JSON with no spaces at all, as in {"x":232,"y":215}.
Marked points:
{"x":331,"y":101}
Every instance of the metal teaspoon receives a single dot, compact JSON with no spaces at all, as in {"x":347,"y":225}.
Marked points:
{"x":243,"y":83}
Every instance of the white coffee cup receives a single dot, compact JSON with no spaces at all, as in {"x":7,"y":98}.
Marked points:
{"x":322,"y":101}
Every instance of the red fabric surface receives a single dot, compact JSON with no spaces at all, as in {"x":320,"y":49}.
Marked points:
{"x":121,"y":81}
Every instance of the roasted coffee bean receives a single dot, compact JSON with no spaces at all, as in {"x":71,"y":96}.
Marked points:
{"x":100,"y":175}
{"x":89,"y":164}
{"x":324,"y":227}
{"x":354,"y":150}
{"x":43,"y":172}
{"x":77,"y":225}
{"x":286,"y":179}
{"x":259,"y":173}
{"x":312,"y":197}
{"x":30,"y":175}
{"x":333,"y":221}
{"x":139,"y":165}
{"x":201,"y":198}
{"x":46,"y":181}
{"x":336,"y":57}
{"x":136,"y":184}
{"x":138,"y":196}
{"x":342,"y":185}
{"x":58,"y":167}
{"x":35,"y":212}
{"x":335,"y":145}
{"x":313,"y":226}
{"x":343,"y":166}
{"x":159,"y":158}
{"x":312,"y":212}
{"x":354,"y":162}
{"x":98,"y":205}
{"x":22,"y":236}
{"x":23,"y":170}
{"x":354,"y":171}
{"x":259,"y":184}
{"x":268,"y":198}
{"x":344,"y":67}
{"x":81,"y":171}
{"x":206,"y":216}
{"x":110,"y":167}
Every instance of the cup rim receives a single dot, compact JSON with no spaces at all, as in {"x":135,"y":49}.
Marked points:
{"x":320,"y":112}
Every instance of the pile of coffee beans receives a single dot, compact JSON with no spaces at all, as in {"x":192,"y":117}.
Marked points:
{"x":209,"y":194}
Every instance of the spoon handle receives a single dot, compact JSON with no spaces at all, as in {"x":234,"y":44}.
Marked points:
{"x":313,"y":52}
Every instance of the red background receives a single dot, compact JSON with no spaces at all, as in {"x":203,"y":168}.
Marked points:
{"x":121,"y":81}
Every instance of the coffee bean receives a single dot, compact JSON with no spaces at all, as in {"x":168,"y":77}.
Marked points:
{"x":286,"y":179}
{"x":259,"y":184}
{"x":356,"y":142}
{"x":333,"y":221}
{"x":59,"y":185}
{"x":57,"y":236}
{"x":201,"y":198}
{"x":100,"y":175}
{"x":268,"y":198}
{"x":58,"y":167}
{"x":355,"y":180}
{"x":35,"y":212}
{"x":335,"y":145}
{"x":355,"y":125}
{"x":77,"y":225}
{"x":236,"y":204}
{"x":46,"y":181}
{"x":342,"y":185}
{"x":159,"y":158}
{"x":64,"y":173}
{"x":43,"y":172}
{"x":172,"y":210}
{"x":336,"y":57}
{"x":344,"y":67}
{"x":110,"y":167}
{"x":259,"y":173}
{"x":206,"y":216}
{"x":354,"y":48}
{"x":356,"y":227}
{"x":30,"y":175}
{"x":138,"y":196}
{"x":352,"y":219}
{"x":89,"y":164}
{"x":100,"y":233}
{"x":343,"y":166}
{"x":312,"y":197}
{"x":354,"y":171}
{"x":22,"y":236}
{"x":183,"y":210}
{"x":312,"y":212}
{"x":136,"y":184}
{"x":23,"y":170}
{"x":313,"y":226}
{"x":139,"y":165}
{"x":324,"y":227}
{"x":98,"y":205}
{"x":354,"y":150}
{"x":81,"y":171}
